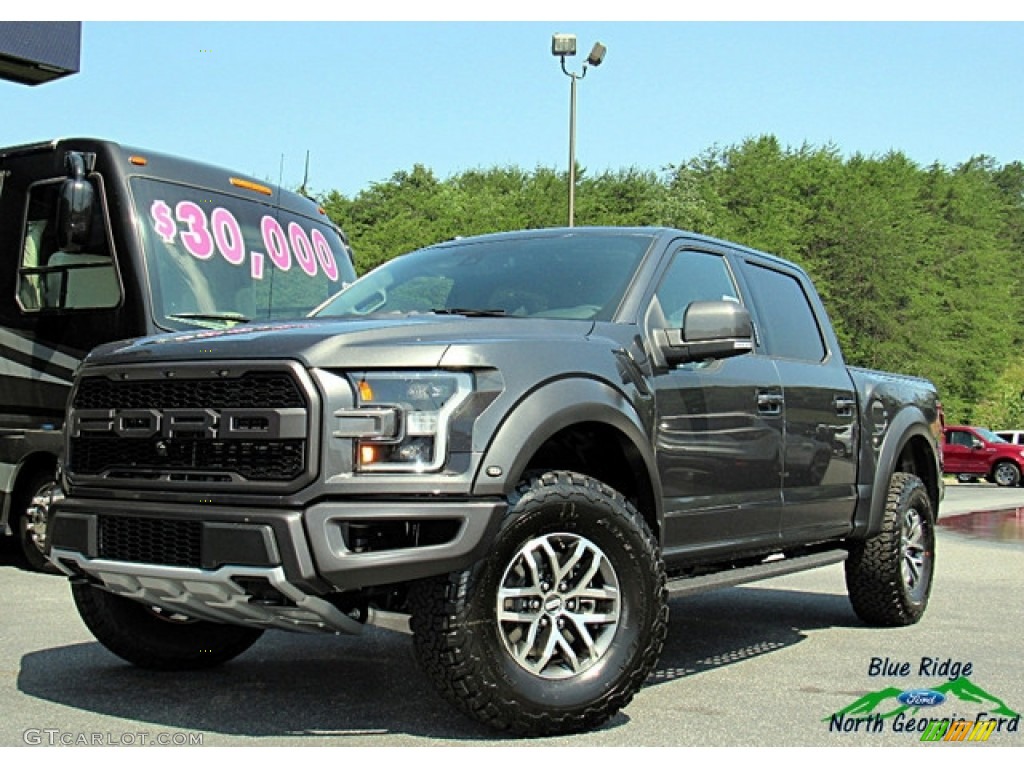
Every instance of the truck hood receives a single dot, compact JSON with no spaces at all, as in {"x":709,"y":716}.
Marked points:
{"x":413,"y":341}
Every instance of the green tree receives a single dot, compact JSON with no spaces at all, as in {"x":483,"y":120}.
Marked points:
{"x":920,"y":268}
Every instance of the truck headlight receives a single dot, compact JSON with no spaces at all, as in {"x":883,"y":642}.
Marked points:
{"x":423,"y":404}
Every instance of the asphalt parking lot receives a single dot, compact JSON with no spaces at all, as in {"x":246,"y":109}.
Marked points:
{"x":765,"y":664}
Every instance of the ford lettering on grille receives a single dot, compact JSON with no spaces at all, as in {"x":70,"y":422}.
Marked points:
{"x":194,"y":423}
{"x":249,"y":430}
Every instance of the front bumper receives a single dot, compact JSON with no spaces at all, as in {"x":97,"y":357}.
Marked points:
{"x":270,"y":568}
{"x":222,"y":595}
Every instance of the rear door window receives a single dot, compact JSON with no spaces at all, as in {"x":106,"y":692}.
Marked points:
{"x":788,"y":325}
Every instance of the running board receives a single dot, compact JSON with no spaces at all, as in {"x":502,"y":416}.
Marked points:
{"x":694,"y":585}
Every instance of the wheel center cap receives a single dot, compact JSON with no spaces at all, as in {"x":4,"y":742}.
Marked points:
{"x":552,"y":604}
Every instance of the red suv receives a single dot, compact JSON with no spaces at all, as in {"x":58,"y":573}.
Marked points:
{"x":972,"y":452}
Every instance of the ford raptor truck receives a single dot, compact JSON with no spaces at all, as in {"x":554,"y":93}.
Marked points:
{"x":525,"y":441}
{"x":100,"y":242}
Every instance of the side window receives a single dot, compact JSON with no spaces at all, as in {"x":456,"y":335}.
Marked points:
{"x":965,"y":439}
{"x":40,"y":241}
{"x":693,"y":276}
{"x":788,"y":324}
{"x":51,"y":278}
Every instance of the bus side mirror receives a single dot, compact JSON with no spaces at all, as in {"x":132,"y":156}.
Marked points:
{"x":75,"y":206}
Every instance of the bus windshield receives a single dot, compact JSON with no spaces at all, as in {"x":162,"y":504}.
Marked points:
{"x":214,"y":260}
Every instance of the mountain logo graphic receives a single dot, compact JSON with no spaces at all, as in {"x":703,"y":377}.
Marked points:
{"x":886,"y":703}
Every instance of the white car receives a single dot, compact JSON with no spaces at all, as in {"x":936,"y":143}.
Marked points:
{"x":1015,"y":436}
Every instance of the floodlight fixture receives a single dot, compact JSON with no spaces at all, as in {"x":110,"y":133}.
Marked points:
{"x":563,"y":45}
{"x":596,"y":55}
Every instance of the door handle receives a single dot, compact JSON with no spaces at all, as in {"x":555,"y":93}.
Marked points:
{"x":844,"y":405}
{"x":770,"y":403}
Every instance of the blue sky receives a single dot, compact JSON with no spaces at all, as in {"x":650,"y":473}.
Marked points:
{"x":367,"y":99}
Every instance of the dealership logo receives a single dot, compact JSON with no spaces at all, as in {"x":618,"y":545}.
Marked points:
{"x":921,"y":697}
{"x":956,"y":710}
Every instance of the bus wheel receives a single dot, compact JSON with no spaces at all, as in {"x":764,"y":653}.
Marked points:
{"x":32,"y":505}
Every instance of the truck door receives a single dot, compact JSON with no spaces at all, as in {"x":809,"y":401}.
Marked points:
{"x":820,"y":467}
{"x":964,"y":453}
{"x":719,"y":427}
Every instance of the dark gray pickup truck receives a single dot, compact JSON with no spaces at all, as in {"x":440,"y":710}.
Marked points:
{"x":525,"y":441}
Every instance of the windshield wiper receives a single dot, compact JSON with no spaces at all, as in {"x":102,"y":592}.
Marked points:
{"x":214,"y":317}
{"x":470,"y":312}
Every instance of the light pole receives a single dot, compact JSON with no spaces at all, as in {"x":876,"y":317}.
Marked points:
{"x":565,"y":45}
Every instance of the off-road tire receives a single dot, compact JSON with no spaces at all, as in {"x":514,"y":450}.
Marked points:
{"x":475,"y":660}
{"x":146,"y":638}
{"x":889,"y":576}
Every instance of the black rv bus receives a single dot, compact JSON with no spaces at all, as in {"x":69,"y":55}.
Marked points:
{"x":100,"y":242}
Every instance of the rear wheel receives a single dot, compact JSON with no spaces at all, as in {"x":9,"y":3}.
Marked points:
{"x":889,"y":576}
{"x":560,"y":625}
{"x":1006,"y":474}
{"x":155,"y":639}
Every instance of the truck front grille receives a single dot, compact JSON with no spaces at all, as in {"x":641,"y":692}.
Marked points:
{"x":243,"y":429}
{"x":256,"y":389}
{"x":184,"y":459}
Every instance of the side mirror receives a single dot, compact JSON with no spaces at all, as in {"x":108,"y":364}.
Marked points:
{"x":75,"y":206}
{"x":712,"y":330}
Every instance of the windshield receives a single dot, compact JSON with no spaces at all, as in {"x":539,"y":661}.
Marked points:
{"x":571,"y":276}
{"x":216,"y":260}
{"x":989,"y":436}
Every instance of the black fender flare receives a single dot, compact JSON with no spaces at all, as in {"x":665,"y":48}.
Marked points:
{"x":546,"y":411}
{"x":908,"y":424}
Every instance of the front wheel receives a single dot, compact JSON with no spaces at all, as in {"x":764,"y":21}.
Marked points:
{"x":1006,"y":474}
{"x":889,"y":576}
{"x":154,"y":639}
{"x":33,"y":510}
{"x":560,"y":625}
